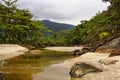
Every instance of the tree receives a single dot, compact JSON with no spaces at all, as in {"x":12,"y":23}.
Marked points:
{"x":101,"y":28}
{"x":17,"y":25}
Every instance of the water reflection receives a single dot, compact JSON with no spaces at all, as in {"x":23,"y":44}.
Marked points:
{"x":18,"y":76}
{"x":24,"y":67}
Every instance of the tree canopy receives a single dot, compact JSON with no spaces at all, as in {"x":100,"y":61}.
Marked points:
{"x":17,"y":26}
{"x":100,"y":27}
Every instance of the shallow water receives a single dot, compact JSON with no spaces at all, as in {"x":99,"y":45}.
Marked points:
{"x":54,"y":72}
{"x":45,"y":66}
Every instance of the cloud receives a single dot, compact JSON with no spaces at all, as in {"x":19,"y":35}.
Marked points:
{"x":64,"y":10}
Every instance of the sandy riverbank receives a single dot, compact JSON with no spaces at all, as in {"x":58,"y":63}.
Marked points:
{"x":9,"y":50}
{"x":68,"y":49}
{"x":61,"y":70}
{"x":112,"y":71}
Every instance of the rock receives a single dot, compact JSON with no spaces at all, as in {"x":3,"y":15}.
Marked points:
{"x":106,"y":75}
{"x":115,"y":52}
{"x":35,"y":51}
{"x":84,"y":50}
{"x":78,"y":52}
{"x":82,"y":68}
{"x":115,"y":43}
{"x":107,"y":61}
{"x":74,"y":53}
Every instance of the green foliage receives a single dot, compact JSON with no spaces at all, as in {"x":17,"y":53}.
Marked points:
{"x":103,"y":35}
{"x":17,"y":26}
{"x":58,"y":35}
{"x":57,"y":27}
{"x":100,"y":27}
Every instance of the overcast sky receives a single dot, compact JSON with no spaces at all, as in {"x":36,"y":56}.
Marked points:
{"x":65,"y":11}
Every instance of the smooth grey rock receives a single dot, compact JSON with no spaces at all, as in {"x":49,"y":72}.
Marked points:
{"x":115,"y":43}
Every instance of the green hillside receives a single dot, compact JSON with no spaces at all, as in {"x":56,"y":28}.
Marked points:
{"x":57,"y":27}
{"x":99,"y":28}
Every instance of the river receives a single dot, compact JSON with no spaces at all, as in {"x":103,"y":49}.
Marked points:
{"x":45,"y":66}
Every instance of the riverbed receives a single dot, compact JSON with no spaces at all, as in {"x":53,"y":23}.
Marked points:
{"x":44,"y":66}
{"x":55,"y":65}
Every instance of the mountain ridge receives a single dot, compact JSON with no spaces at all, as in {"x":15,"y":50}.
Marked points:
{"x":56,"y":26}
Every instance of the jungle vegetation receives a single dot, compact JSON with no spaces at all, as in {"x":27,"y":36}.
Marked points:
{"x":17,"y":26}
{"x":99,"y":28}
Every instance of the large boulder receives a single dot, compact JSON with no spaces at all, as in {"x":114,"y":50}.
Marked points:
{"x":115,"y":52}
{"x":115,"y":43}
{"x":82,"y":68}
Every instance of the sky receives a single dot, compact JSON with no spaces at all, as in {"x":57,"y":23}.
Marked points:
{"x":64,"y":11}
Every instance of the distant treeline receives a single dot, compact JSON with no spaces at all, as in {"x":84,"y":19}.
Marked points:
{"x":17,"y":26}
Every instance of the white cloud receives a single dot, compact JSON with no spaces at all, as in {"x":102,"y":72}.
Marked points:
{"x":68,"y":11}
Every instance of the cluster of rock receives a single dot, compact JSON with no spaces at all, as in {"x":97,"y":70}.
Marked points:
{"x":82,"y":68}
{"x":113,"y":44}
{"x":78,"y":52}
{"x":85,"y":68}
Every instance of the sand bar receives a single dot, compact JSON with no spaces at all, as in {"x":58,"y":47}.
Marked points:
{"x":68,"y":49}
{"x":10,"y":50}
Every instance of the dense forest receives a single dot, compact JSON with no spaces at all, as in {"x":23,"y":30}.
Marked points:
{"x":102,"y":26}
{"x":57,"y":34}
{"x":17,"y":26}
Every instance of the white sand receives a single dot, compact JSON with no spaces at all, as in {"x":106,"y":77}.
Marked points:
{"x":68,"y":49}
{"x":8,"y":51}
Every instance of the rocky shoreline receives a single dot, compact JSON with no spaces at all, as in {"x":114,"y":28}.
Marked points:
{"x":103,"y":67}
{"x":93,"y":66}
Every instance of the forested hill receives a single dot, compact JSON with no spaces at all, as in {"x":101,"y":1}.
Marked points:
{"x":99,"y":29}
{"x":57,"y":27}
